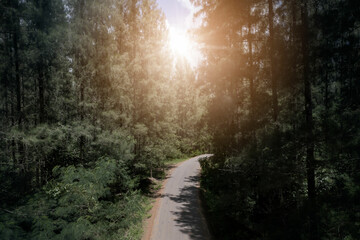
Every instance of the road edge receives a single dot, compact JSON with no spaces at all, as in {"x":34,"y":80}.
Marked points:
{"x":202,"y":204}
{"x":149,"y":222}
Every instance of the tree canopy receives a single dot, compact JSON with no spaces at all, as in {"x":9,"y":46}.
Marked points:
{"x":284,"y":81}
{"x":93,"y":101}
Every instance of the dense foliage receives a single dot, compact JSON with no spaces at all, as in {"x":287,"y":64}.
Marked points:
{"x":284,"y":114}
{"x":89,"y":106}
{"x":92,"y":100}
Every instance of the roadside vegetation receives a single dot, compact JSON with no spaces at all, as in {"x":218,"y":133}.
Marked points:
{"x":90,"y":106}
{"x":284,"y":116}
{"x":96,"y":101}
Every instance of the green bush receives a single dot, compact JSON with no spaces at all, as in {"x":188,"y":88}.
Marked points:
{"x":80,"y":204}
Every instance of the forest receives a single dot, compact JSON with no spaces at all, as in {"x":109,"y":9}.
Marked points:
{"x":284,"y":114}
{"x":89,"y":106}
{"x":93,"y":102}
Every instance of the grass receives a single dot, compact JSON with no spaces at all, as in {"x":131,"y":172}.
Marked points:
{"x":183,"y":158}
{"x":160,"y":173}
{"x":136,"y":228}
{"x":157,"y":187}
{"x":176,"y":160}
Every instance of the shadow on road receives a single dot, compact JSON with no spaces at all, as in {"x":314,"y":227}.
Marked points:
{"x":187,"y":216}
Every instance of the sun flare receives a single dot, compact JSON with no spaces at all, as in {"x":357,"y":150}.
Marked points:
{"x":179,"y":43}
{"x":182,"y":46}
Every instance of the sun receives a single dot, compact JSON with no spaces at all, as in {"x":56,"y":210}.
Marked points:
{"x":181,"y":45}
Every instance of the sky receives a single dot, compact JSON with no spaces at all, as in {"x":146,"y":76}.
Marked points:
{"x":179,"y":17}
{"x":178,"y":13}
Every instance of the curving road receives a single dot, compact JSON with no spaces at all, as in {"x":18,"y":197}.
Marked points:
{"x":179,"y":216}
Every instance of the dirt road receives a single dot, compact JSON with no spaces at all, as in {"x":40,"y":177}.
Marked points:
{"x":179,"y":215}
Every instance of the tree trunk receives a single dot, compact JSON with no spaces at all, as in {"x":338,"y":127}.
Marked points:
{"x":41,"y":94}
{"x":310,"y":161}
{"x":251,"y":77}
{"x":18,"y":92}
{"x":82,"y":87}
{"x":17,"y":72}
{"x":274,"y":86}
{"x":294,"y":104}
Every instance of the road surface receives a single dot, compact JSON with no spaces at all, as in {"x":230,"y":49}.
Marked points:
{"x":179,"y":216}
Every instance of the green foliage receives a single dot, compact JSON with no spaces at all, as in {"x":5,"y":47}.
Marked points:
{"x":79,"y":204}
{"x":89,"y":107}
{"x":282,"y":118}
